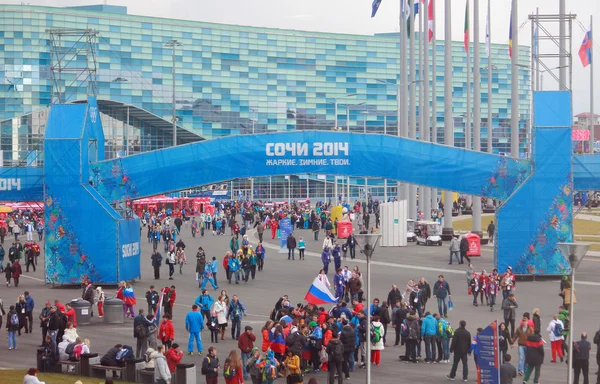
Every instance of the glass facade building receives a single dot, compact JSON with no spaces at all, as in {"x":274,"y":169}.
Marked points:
{"x":229,"y":79}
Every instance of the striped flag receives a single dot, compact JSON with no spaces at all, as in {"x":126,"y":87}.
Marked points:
{"x":466,"y":37}
{"x":416,"y":12}
{"x":430,"y":18}
{"x":585,"y":51}
{"x":318,"y":294}
{"x":375,"y":7}
{"x":158,"y":311}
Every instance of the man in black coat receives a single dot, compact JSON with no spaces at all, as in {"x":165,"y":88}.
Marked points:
{"x":461,"y":341}
{"x":464,"y":247}
{"x":394,"y":296}
{"x":296,"y":342}
{"x":534,"y":357}
{"x":291,"y":245}
{"x":581,"y":358}
{"x":110,"y":358}
{"x":348,"y":338}
{"x":351,"y":244}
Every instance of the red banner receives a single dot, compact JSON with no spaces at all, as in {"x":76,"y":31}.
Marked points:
{"x":580,"y":135}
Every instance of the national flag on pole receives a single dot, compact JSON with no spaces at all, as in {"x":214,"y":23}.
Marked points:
{"x":466,"y":38}
{"x":487,"y":34}
{"x":318,"y":294}
{"x":510,"y":32}
{"x":416,"y":12}
{"x":266,"y":221}
{"x":430,"y":18}
{"x":376,"y":4}
{"x":585,"y":51}
{"x":535,"y":39}
{"x":158,"y":311}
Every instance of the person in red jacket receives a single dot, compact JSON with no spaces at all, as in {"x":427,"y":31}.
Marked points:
{"x":59,"y":306}
{"x":246,"y":344}
{"x":16,"y":272}
{"x":166,"y":333}
{"x":169,"y":300}
{"x":71,"y":315}
{"x":226,"y":264}
{"x":174,"y":356}
{"x":273,"y":228}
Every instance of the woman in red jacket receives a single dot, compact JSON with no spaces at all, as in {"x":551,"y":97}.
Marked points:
{"x":166,"y":331}
{"x":327,"y":336}
{"x":266,"y":331}
{"x":232,"y":369}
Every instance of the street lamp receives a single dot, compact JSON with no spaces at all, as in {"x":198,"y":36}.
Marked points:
{"x":174,"y":44}
{"x":367,"y":244}
{"x":335,"y":103}
{"x":348,"y":107}
{"x":574,"y":252}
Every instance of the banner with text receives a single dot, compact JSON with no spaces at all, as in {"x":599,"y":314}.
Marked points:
{"x":488,"y":371}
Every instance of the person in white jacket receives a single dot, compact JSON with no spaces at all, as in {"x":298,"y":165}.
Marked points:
{"x":31,"y":377}
{"x":162,"y":375}
{"x":220,"y":310}
{"x":556,"y":328}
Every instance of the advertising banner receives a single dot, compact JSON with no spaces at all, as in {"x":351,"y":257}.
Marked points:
{"x":285,"y":228}
{"x":488,"y":371}
{"x":336,"y":214}
{"x":129,"y":249}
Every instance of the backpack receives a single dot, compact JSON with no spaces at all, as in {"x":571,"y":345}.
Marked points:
{"x":125,"y":354}
{"x":14,"y":320}
{"x":70,"y":349}
{"x":204,"y":369}
{"x":558,"y":330}
{"x":404,"y":329}
{"x":140,"y":331}
{"x":449,"y":331}
{"x":375,"y":334}
{"x":270,"y":372}
{"x":413,"y":333}
{"x":229,"y":372}
{"x":337,"y":351}
{"x":77,"y":352}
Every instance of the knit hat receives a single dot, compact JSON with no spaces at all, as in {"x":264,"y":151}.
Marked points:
{"x":312,"y":324}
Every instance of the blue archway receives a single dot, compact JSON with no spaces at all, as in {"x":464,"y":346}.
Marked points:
{"x":80,"y":189}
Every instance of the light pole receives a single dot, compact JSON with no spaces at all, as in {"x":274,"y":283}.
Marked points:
{"x":348,"y":107}
{"x":574,"y":252}
{"x":335,"y":103}
{"x":173,"y":44}
{"x":367,"y":244}
{"x":365,"y":113}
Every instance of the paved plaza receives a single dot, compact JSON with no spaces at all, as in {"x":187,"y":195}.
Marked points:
{"x":390,"y":266}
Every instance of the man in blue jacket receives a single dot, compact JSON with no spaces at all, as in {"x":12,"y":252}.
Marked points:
{"x":441,"y":291}
{"x":194,"y":325}
{"x":428,"y":332}
{"x":204,"y":302}
{"x":29,"y":305}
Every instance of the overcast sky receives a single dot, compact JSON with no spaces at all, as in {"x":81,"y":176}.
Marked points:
{"x":353,"y":16}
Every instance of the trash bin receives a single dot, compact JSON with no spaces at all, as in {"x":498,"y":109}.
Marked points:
{"x":86,"y":360}
{"x":131,"y":368}
{"x":185,"y":374}
{"x":40,"y":362}
{"x":82,"y":308}
{"x":113,"y":311}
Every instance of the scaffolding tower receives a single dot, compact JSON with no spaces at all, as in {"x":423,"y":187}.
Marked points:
{"x":72,"y":62}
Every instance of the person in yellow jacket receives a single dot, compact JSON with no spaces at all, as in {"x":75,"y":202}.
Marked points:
{"x":292,"y":368}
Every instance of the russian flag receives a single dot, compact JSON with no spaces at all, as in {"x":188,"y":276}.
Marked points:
{"x":319,"y":294}
{"x":585,"y":51}
{"x":159,"y":308}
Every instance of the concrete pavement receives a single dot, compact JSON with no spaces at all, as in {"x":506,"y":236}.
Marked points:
{"x":390,"y":266}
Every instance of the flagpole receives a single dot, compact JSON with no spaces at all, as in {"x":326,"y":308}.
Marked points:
{"x":403,"y":187}
{"x":476,"y":111}
{"x":426,"y":198}
{"x":448,"y":123}
{"x":514,"y":110}
{"x":537,"y":62}
{"x":467,"y":130}
{"x":592,"y":124}
{"x":412,"y":189}
{"x":490,"y":124}
{"x":434,"y":202}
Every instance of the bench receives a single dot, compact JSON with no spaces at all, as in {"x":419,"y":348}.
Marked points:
{"x":100,"y":371}
{"x":68,"y":363}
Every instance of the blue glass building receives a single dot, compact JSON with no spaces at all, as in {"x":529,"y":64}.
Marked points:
{"x":230,"y":80}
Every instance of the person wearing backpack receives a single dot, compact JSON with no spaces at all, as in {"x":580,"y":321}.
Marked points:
{"x":335,"y":354}
{"x":377,"y":333}
{"x":12,"y":326}
{"x":210,"y":366}
{"x":232,"y":369}
{"x":140,"y":332}
{"x":555,"y":329}
{"x":269,"y":367}
{"x":444,"y":334}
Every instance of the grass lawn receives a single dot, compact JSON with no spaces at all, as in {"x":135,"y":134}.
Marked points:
{"x":16,"y":377}
{"x":582,"y":227}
